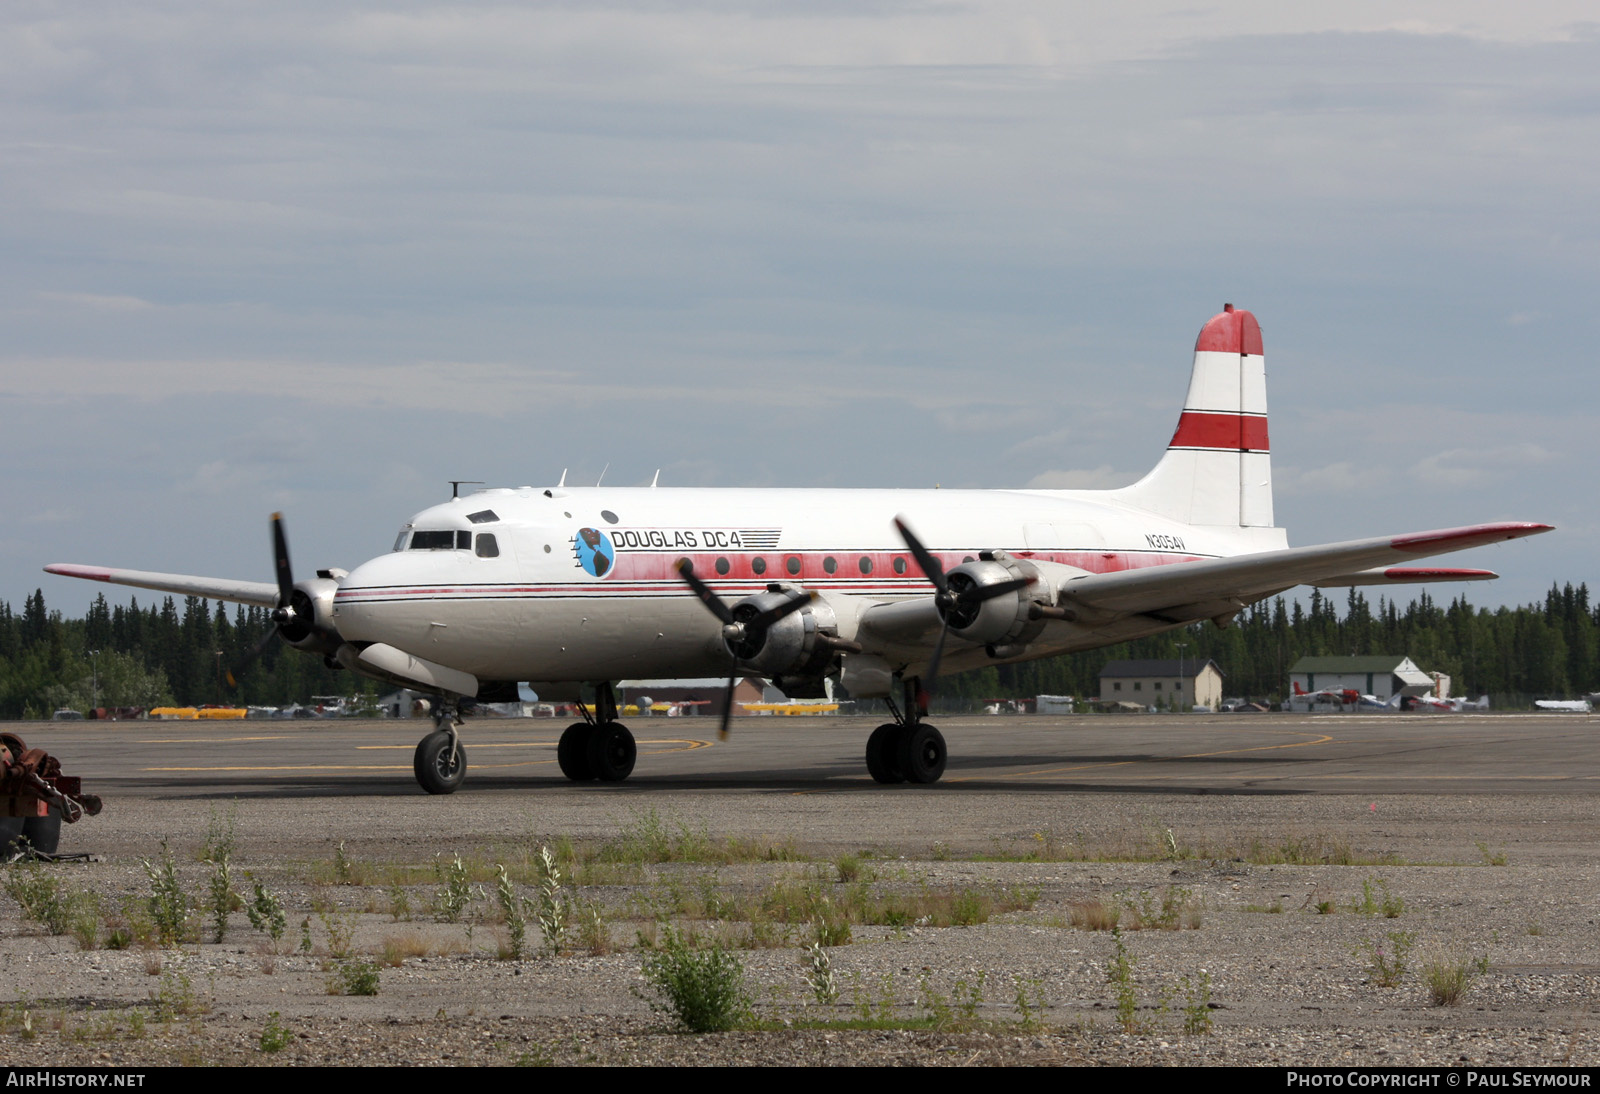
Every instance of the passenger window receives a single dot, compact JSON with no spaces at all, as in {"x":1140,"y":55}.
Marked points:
{"x":758,"y":566}
{"x":722,"y":567}
{"x":899,"y":565}
{"x":487,"y":546}
{"x":793,"y":565}
{"x":866,"y":564}
{"x":829,"y":564}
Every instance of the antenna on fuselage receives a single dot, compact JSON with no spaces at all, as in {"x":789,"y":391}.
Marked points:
{"x":603,"y":471}
{"x":563,"y":481}
{"x":655,"y":480}
{"x":457,"y":484}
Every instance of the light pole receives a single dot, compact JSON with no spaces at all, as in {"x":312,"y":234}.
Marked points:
{"x":94,"y":680}
{"x":1181,"y":646}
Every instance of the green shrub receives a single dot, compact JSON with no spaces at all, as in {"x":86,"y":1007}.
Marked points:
{"x":702,"y":989}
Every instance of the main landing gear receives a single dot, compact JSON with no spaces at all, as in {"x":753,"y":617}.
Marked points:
{"x":907,"y":749}
{"x":440,"y":762}
{"x":599,"y":747}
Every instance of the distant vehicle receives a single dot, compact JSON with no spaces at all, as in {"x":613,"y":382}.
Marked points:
{"x":67,"y":715}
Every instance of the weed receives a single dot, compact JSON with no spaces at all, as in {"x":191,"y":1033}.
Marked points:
{"x":341,"y":931}
{"x":275,"y":1036}
{"x":1196,"y":1003}
{"x":1119,"y":974}
{"x":1491,"y":858}
{"x":819,"y":975}
{"x":305,"y":935}
{"x":175,"y":994}
{"x":1449,"y":977}
{"x":399,"y":902}
{"x":342,"y":871}
{"x":266,"y":912}
{"x":511,"y":907}
{"x":221,"y":890}
{"x":594,"y":936}
{"x":354,"y":978}
{"x":1275,"y":908}
{"x":1371,"y":903}
{"x":1536,"y":928}
{"x":220,"y":842}
{"x":455,"y":891}
{"x":1325,"y":907}
{"x":1386,"y":959}
{"x":1094,"y":915}
{"x":136,"y":1025}
{"x":849,"y":867}
{"x":1029,"y":999}
{"x":1176,"y":909}
{"x":703,"y":990}
{"x":168,"y":903}
{"x":551,"y":911}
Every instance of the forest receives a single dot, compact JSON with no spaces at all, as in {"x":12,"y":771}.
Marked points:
{"x":177,"y":652}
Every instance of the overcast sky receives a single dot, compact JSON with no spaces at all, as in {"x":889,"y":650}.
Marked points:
{"x":324,"y":257}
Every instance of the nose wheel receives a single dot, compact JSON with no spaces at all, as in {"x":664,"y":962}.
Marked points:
{"x":440,"y":763}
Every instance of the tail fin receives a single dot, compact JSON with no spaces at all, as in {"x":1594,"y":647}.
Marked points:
{"x":1218,"y":468}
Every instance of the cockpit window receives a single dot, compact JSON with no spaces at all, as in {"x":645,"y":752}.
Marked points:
{"x":488,"y":547}
{"x":440,"y":541}
{"x":400,"y":540}
{"x":483,"y":516}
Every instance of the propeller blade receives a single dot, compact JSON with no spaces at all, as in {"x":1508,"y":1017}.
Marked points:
{"x":925,"y":561}
{"x":727,"y":706}
{"x":705,"y":593}
{"x":280,"y":559}
{"x":248,"y":659}
{"x":925,"y":691}
{"x":979,"y":593}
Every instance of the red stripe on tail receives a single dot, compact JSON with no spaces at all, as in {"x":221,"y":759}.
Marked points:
{"x":1230,"y":432}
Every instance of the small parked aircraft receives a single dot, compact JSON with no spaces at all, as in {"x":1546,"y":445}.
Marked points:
{"x":564,"y":587}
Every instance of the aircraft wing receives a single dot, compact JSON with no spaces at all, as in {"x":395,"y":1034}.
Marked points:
{"x":260,"y":593}
{"x":1189,"y":590}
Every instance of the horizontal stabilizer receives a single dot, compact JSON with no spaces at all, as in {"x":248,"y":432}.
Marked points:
{"x":1246,"y":578}
{"x":215,"y":588}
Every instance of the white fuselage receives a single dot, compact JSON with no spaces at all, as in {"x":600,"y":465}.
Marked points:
{"x":582,"y":583}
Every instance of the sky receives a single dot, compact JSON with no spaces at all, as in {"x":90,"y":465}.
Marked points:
{"x":322,"y":258}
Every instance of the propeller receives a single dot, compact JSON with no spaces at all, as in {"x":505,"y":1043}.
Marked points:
{"x":284,"y":616}
{"x":744,"y":627}
{"x":957,"y":597}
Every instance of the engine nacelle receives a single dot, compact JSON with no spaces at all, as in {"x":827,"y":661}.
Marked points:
{"x":1003,"y":620}
{"x":801,"y":644}
{"x":311,"y":627}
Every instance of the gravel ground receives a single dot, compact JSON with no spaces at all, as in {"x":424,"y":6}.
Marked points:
{"x":1507,"y":880}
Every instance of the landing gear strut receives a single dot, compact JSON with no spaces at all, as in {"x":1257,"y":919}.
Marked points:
{"x":440,"y":762}
{"x":906,"y":749}
{"x":599,"y":747}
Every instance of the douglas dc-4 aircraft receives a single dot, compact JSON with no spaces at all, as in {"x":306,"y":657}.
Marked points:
{"x":872,"y":589}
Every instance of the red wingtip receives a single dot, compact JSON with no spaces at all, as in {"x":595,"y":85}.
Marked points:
{"x":1230,"y":331}
{"x":67,"y":569}
{"x":1470,"y":536}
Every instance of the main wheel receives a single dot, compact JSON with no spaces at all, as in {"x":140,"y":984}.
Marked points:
{"x":436,"y":772}
{"x":922,"y":754}
{"x":611,"y":752}
{"x":573,"y":753}
{"x":883,"y":763}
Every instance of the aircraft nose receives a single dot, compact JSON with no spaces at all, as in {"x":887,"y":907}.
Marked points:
{"x":358,"y":606}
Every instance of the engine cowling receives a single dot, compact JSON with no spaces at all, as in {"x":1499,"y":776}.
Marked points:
{"x":1003,"y":620}
{"x":310,"y":624}
{"x":798,"y":645}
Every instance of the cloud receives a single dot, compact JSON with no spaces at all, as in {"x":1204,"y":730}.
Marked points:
{"x":1459,"y":468}
{"x":1101,"y":478}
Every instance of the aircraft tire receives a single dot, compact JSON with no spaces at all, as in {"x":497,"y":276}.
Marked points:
{"x":882,"y":758}
{"x":922,"y":754}
{"x":612,"y":752}
{"x":573,"y":753}
{"x":434,"y":772}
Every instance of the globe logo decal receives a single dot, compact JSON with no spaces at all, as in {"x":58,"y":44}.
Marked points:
{"x":595,"y":551}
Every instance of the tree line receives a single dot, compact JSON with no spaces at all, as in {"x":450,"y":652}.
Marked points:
{"x":177,"y":652}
